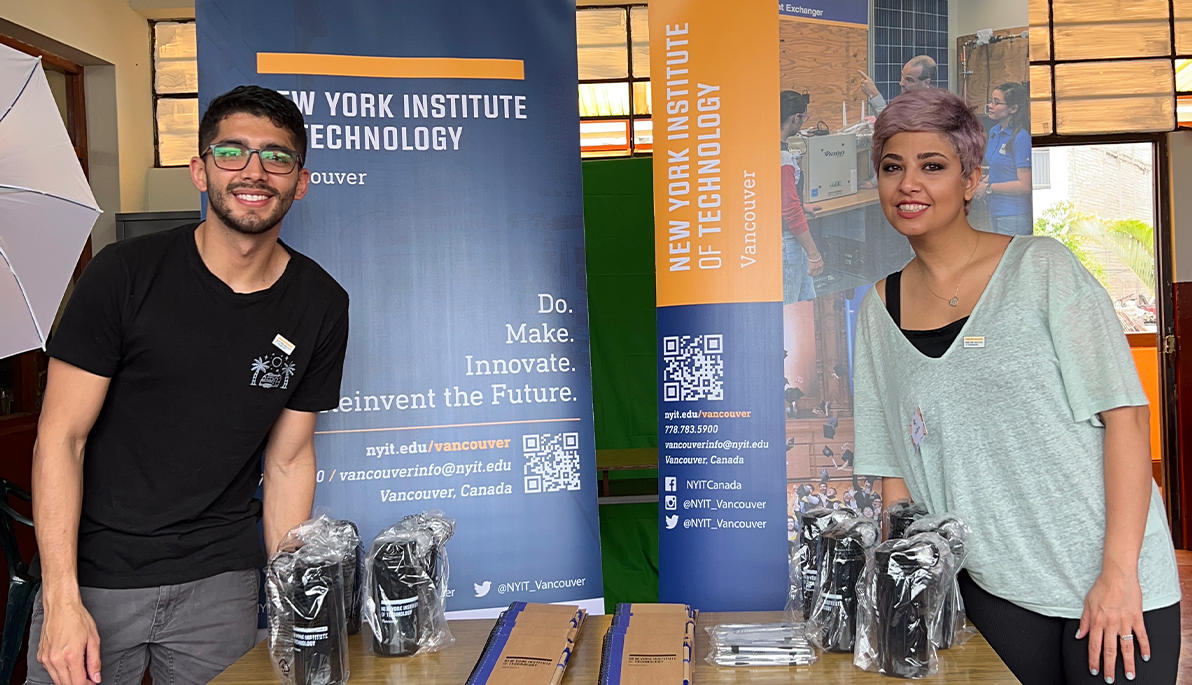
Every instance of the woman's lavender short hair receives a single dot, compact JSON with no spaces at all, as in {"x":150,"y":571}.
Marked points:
{"x":937,"y":110}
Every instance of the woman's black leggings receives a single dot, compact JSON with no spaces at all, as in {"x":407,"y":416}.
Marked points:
{"x":1044,"y":650}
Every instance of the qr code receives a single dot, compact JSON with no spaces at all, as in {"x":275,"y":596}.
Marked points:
{"x":552,"y":462}
{"x":693,"y":368}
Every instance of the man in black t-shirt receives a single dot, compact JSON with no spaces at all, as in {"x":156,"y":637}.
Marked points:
{"x":185,"y":363}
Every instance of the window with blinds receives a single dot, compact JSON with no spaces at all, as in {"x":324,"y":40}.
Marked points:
{"x":1110,"y":66}
{"x":613,"y":45}
{"x":175,"y":92}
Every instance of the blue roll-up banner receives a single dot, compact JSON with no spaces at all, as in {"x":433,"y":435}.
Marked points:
{"x":446,"y":198}
{"x":718,"y":256}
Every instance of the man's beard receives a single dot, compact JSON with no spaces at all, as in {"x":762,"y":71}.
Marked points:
{"x":221,"y":204}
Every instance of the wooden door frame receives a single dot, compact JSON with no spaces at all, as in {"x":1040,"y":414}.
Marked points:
{"x":1177,"y":485}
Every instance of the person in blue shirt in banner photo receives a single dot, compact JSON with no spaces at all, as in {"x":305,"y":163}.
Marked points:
{"x":1007,"y":187}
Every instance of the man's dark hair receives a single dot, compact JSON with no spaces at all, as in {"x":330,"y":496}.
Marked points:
{"x":259,"y":102}
{"x":792,"y":103}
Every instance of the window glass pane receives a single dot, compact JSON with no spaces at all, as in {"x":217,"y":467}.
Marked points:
{"x":1107,"y":219}
{"x":177,"y":130}
{"x":1094,"y":29}
{"x":1183,"y":75}
{"x":603,"y":43}
{"x":175,"y":61}
{"x":641,"y":97}
{"x":1183,"y":26}
{"x":604,"y":99}
{"x":1040,"y":37}
{"x":1041,"y":124}
{"x":640,"y":26}
{"x":643,"y":135}
{"x":604,"y":138}
{"x":1183,"y":108}
{"x":1107,"y":97}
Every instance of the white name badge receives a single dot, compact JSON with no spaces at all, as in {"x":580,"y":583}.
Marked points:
{"x":974,"y":342}
{"x":284,"y":345}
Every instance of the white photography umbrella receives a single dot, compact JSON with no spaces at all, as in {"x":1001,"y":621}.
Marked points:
{"x":46,"y":207}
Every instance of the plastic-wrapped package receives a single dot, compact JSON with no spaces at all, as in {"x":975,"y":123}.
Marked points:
{"x":955,"y":630}
{"x":900,"y":614}
{"x":308,"y":632}
{"x":900,"y":515}
{"x":405,"y":586}
{"x":809,"y":557}
{"x":342,"y":536}
{"x":846,"y":545}
{"x":760,"y":644}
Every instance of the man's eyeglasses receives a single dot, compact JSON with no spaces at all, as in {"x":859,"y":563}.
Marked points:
{"x":233,"y":157}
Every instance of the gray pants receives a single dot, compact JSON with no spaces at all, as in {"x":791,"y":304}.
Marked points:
{"x":186,"y":633}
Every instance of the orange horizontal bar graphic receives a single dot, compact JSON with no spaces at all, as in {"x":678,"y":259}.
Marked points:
{"x":389,"y":67}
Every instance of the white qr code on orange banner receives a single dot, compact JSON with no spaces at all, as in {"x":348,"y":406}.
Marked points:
{"x":693,"y":368}
{"x":552,"y":462}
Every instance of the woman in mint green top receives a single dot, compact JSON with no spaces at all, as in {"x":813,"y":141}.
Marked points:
{"x":993,"y":380}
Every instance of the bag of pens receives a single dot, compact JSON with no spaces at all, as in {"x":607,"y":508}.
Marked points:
{"x":955,"y":630}
{"x":760,"y":644}
{"x":405,"y":586}
{"x":846,"y":546}
{"x":900,"y":613}
{"x":343,"y":537}
{"x":307,"y":621}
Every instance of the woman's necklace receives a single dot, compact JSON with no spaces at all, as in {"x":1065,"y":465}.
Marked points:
{"x":955,"y":296}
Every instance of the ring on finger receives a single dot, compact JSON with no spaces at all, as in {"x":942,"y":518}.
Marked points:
{"x":1126,"y":638}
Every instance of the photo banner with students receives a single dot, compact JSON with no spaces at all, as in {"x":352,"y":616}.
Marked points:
{"x":769,"y":233}
{"x":446,"y":198}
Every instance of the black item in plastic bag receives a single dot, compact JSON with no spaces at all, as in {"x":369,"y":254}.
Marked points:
{"x":344,"y":537}
{"x":900,"y":516}
{"x":834,"y":612}
{"x":954,"y":630}
{"x":307,"y":618}
{"x":405,"y":586}
{"x":400,"y":590}
{"x":900,"y":615}
{"x":810,"y":554}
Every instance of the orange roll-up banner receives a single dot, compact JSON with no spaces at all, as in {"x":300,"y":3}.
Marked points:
{"x":714,"y":71}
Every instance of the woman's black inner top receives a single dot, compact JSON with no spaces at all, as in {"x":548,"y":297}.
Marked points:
{"x":933,"y":343}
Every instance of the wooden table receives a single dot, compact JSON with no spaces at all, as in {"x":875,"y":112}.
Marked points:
{"x":974,"y":663}
{"x":837,"y":205}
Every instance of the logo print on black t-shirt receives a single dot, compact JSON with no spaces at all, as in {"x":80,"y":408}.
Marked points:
{"x":272,"y":371}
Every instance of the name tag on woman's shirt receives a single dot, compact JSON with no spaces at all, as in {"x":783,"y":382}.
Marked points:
{"x":918,"y":428}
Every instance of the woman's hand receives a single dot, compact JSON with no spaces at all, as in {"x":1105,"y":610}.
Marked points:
{"x":815,"y":264}
{"x":1112,"y":610}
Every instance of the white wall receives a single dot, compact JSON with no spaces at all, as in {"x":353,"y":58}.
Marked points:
{"x":972,"y":15}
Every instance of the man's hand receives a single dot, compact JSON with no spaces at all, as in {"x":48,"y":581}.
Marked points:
{"x":868,"y":86}
{"x":810,"y":211}
{"x":69,"y":647}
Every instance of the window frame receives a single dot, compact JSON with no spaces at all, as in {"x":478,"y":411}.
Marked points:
{"x":1055,"y":137}
{"x":634,"y":150}
{"x":158,"y":97}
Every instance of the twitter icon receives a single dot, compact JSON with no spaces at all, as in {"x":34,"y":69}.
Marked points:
{"x":672,"y":521}
{"x":482,"y":588}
